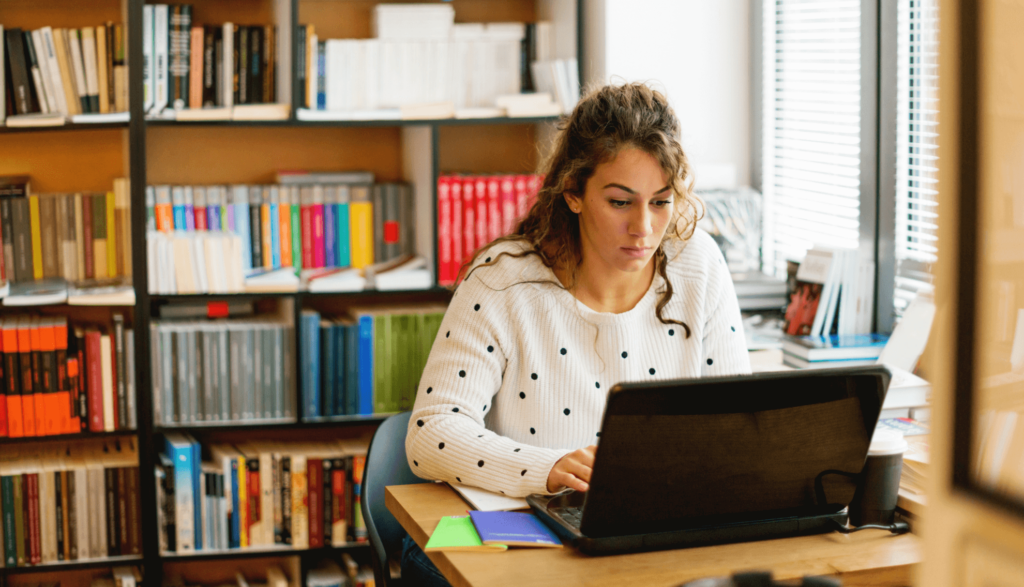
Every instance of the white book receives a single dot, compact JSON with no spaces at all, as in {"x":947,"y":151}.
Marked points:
{"x":47,"y":516}
{"x":78,"y":68}
{"x":97,"y":510}
{"x":148,"y":71}
{"x":199,"y":265}
{"x":37,"y":80}
{"x":82,"y":511}
{"x":107,"y":376}
{"x":53,"y":69}
{"x":228,"y":65}
{"x":89,"y":58}
{"x":334,"y":73}
{"x":160,"y":57}
{"x":371,"y":74}
{"x":311,"y":76}
{"x":53,"y":105}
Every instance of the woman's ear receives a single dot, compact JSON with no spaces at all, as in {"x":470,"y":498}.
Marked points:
{"x":574,"y":202}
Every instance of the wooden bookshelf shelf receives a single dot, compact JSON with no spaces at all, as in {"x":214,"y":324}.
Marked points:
{"x":293,"y":123}
{"x":244,"y":553}
{"x":92,"y":563}
{"x":68,"y":437}
{"x":319,"y":423}
{"x":67,"y":127}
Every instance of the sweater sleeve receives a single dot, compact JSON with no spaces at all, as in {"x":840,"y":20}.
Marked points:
{"x":724,"y":344}
{"x":447,"y":437}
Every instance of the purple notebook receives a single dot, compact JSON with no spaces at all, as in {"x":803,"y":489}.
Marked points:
{"x":513,"y":529}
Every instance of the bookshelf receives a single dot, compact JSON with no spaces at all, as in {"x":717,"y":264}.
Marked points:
{"x":81,"y":157}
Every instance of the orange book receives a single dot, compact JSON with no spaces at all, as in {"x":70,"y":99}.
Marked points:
{"x":285,"y":211}
{"x":3,"y":394}
{"x":265,"y":234}
{"x":28,"y":403}
{"x":69,"y":424}
{"x":38,"y":392}
{"x":15,"y":420}
{"x":52,"y":417}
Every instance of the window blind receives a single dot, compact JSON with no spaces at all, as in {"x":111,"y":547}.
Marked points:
{"x":916,"y":143}
{"x":812,"y":126}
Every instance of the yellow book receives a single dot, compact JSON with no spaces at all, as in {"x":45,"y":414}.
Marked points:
{"x":300,"y":507}
{"x":37,"y":239}
{"x":101,"y":68}
{"x":266,"y":236}
{"x":99,"y":235}
{"x":122,"y":212}
{"x":112,"y":237}
{"x":243,"y":503}
{"x":361,"y":230}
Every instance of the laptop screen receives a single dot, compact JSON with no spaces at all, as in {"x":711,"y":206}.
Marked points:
{"x":692,"y":453}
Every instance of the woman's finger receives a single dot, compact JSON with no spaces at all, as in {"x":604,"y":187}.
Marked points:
{"x":577,"y":468}
{"x":571,"y":481}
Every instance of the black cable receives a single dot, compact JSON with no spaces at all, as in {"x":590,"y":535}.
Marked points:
{"x":895,"y":528}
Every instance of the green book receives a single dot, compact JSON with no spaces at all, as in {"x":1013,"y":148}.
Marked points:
{"x":20,"y":530}
{"x":381,"y":391}
{"x":10,"y":534}
{"x":456,"y":534}
{"x":296,"y":232}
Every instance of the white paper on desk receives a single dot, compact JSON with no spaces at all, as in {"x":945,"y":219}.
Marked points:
{"x":488,"y":501}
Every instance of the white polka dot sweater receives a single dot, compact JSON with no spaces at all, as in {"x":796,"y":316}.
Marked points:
{"x":519,"y":372}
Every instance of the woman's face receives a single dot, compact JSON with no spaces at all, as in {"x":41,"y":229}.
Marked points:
{"x":625,"y":209}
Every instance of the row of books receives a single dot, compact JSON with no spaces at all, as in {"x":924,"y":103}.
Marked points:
{"x":61,"y":73}
{"x":222,"y":371}
{"x":70,"y":501}
{"x":473,"y":210}
{"x":366,"y":362}
{"x":833,"y":294}
{"x":61,"y":380}
{"x":193,"y":66}
{"x":209,"y":238}
{"x":81,"y":238}
{"x":264,"y":494}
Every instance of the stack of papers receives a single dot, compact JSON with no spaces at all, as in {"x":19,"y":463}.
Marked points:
{"x":491,"y":532}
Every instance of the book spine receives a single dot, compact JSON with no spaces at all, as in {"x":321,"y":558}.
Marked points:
{"x":361,"y":229}
{"x":330,"y":254}
{"x":314,"y":472}
{"x":366,"y":365}
{"x":297,"y":230}
{"x":10,"y":551}
{"x":286,"y":500}
{"x":195,"y":66}
{"x":284,"y":220}
{"x":15,"y":421}
{"x":34,"y":531}
{"x":255,"y":227}
{"x":243,"y":502}
{"x":28,"y":390}
{"x":469,"y":207}
{"x":444,"y":231}
{"x":482,"y":207}
{"x":456,"y":230}
{"x":119,"y":358}
{"x":94,"y":378}
{"x":72,"y":530}
{"x":342,"y":237}
{"x":326,"y":497}
{"x":306,"y":197}
{"x":20,"y":492}
{"x":339,"y":528}
{"x":111,"y":232}
{"x":37,"y":240}
{"x":318,"y":227}
{"x":351,"y":372}
{"x":210,"y":63}
{"x":266,"y":230}
{"x":21,"y":89}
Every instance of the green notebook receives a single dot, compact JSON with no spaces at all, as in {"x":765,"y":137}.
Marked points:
{"x":457,"y":534}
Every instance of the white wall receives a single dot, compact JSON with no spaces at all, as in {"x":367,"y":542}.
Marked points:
{"x":698,"y":52}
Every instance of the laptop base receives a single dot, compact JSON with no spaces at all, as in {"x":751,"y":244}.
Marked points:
{"x":690,"y":537}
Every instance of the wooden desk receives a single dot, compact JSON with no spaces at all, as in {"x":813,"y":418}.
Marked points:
{"x":869,"y":557}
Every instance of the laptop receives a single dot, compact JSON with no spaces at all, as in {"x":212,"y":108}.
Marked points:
{"x":695,"y":462}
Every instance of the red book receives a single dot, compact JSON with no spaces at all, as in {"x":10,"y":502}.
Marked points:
{"x":83,"y":396}
{"x":533,"y":184}
{"x":306,"y":210}
{"x":494,"y":219}
{"x":35,"y":540}
{"x":90,"y":263}
{"x":73,"y":372}
{"x":15,"y":421}
{"x":3,"y":395}
{"x":64,"y":392}
{"x":480,"y":197}
{"x":315,"y":499}
{"x":457,"y":248}
{"x":28,"y":390}
{"x":468,"y":217}
{"x":200,"y":216}
{"x":508,"y":203}
{"x":52,"y":417}
{"x":338,"y":509}
{"x":252,"y":483}
{"x":444,"y":230}
{"x":521,"y":182}
{"x":318,"y":228}
{"x":94,"y":381}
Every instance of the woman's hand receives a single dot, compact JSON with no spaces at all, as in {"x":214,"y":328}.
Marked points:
{"x":573,"y":470}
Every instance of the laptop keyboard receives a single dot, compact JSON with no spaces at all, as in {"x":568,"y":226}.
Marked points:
{"x":571,"y":515}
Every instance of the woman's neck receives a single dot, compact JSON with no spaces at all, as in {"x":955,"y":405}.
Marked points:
{"x":615,"y":294}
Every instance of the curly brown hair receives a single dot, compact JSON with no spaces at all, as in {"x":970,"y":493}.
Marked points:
{"x":606,"y":120}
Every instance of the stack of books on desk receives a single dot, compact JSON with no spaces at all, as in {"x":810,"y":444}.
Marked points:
{"x":758,"y":291}
{"x":819,"y":352}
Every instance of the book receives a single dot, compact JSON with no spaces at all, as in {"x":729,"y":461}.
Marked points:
{"x":513,"y":529}
{"x":835,"y":347}
{"x":802,"y":310}
{"x":458,"y":534}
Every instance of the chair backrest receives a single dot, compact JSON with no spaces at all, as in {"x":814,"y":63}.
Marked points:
{"x":386,"y":464}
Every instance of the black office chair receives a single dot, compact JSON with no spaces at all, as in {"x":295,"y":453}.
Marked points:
{"x":386,"y":464}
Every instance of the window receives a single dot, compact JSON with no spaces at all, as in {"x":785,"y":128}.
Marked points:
{"x":916,"y":115}
{"x":811,"y":88}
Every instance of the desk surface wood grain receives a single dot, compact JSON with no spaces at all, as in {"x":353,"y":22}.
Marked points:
{"x":869,"y":557}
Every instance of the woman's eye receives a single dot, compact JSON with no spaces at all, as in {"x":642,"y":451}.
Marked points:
{"x":619,"y":203}
{"x":663,"y":203}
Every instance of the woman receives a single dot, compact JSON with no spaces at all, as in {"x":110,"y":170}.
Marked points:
{"x":607,"y":279}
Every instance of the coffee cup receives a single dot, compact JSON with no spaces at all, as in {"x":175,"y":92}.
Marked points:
{"x":878,"y":489}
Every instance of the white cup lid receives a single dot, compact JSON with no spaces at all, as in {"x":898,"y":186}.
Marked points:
{"x":887,"y":442}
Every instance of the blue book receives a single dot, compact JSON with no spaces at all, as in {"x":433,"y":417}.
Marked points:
{"x":329,"y":236}
{"x":365,"y":362}
{"x":197,"y":493}
{"x":321,"y":76}
{"x":241,"y":204}
{"x":340,"y":397}
{"x":236,"y":536}
{"x":513,"y":529}
{"x":835,"y":347}
{"x":327,"y":375}
{"x":178,"y":207}
{"x":352,"y":369}
{"x":275,"y":233}
{"x":190,"y":212}
{"x":343,"y":250}
{"x":180,"y":452}
{"x":311,"y":363}
{"x":213,"y":217}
